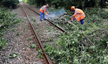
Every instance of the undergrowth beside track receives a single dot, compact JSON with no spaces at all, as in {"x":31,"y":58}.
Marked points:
{"x":86,"y":44}
{"x":7,"y":19}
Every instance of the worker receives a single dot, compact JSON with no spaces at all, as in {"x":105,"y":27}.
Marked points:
{"x":42,"y":10}
{"x":78,"y":15}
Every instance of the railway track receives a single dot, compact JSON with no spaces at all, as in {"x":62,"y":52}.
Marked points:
{"x":58,"y":28}
{"x":47,"y":20}
{"x":45,"y":56}
{"x":40,"y":45}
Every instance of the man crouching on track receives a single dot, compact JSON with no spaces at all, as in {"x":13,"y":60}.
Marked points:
{"x":43,"y":9}
{"x":79,"y":15}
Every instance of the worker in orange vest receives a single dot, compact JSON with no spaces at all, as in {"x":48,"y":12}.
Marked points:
{"x":78,"y":15}
{"x":42,"y":10}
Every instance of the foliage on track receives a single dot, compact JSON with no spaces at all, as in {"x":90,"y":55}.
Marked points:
{"x":86,"y":45}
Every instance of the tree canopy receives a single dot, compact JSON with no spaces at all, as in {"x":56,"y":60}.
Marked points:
{"x":8,"y":3}
{"x":63,"y":3}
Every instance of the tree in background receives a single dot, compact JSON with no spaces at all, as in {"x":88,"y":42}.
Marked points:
{"x":69,"y":3}
{"x":78,"y":3}
{"x":9,"y":3}
{"x":25,"y":1}
{"x":58,"y":3}
{"x":37,"y":2}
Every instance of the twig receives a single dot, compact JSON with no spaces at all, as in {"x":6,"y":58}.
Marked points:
{"x":82,"y":32}
{"x":87,"y":38}
{"x":101,"y":29}
{"x":72,"y":24}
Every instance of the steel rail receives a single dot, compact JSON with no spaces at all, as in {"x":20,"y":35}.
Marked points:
{"x":48,"y":20}
{"x":37,"y":39}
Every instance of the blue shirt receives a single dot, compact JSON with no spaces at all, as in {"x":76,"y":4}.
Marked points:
{"x":44,"y":7}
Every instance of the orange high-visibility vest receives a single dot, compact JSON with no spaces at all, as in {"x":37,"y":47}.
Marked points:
{"x":79,"y":14}
{"x":41,"y":9}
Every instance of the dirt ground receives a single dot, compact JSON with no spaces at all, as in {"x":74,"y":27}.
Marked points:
{"x":20,"y":38}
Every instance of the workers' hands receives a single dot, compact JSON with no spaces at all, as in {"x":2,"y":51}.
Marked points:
{"x":71,"y":19}
{"x":47,"y":13}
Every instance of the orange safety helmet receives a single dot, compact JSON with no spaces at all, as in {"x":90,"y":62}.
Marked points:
{"x":72,"y":7}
